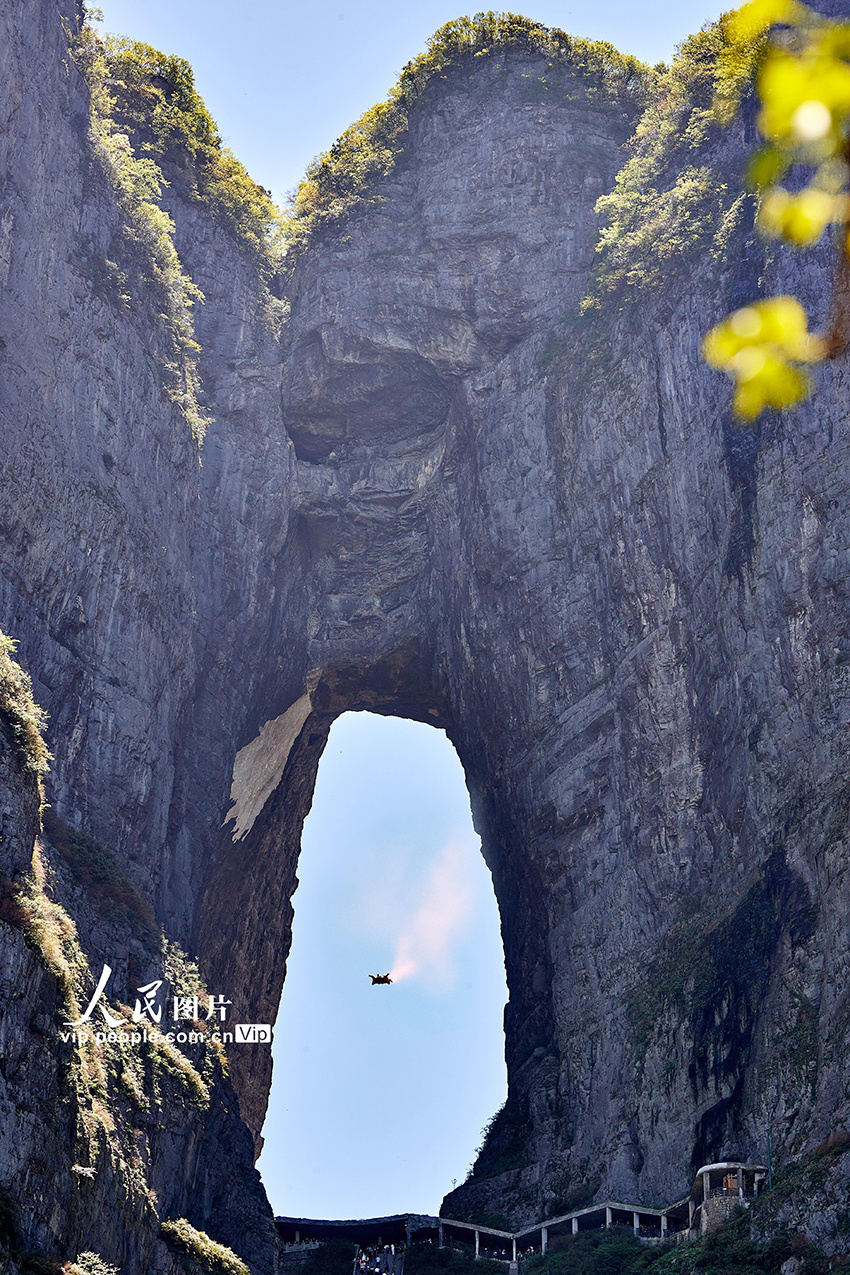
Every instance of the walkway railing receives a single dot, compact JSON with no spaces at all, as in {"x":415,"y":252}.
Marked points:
{"x":730,"y":1193}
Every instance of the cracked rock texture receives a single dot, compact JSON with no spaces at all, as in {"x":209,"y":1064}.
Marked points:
{"x":630,"y":618}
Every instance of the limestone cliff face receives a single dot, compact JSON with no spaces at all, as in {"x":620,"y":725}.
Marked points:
{"x":436,"y":497}
{"x":100,"y":504}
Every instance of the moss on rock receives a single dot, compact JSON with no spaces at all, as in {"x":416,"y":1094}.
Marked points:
{"x":20,"y":716}
{"x":199,"y":1252}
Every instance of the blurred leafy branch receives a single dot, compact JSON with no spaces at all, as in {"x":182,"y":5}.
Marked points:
{"x":801,"y":64}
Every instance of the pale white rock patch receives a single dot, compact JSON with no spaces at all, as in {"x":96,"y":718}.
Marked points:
{"x":258,"y":767}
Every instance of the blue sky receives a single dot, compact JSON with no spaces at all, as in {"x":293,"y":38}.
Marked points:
{"x":379,"y":1093}
{"x":283,"y":80}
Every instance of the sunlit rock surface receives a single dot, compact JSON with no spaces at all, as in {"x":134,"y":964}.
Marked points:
{"x":432,"y":496}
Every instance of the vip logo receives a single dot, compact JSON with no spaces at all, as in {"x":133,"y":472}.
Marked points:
{"x":253,"y":1033}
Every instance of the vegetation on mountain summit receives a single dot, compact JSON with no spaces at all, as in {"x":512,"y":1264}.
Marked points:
{"x":155,"y":102}
{"x":677,"y":200}
{"x":139,"y":269}
{"x":344,"y":180}
{"x":149,"y":128}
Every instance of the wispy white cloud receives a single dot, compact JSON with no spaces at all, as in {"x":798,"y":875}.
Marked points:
{"x":420,"y":915}
{"x":425,"y":947}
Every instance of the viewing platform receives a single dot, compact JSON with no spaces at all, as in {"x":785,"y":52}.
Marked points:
{"x":717,"y":1190}
{"x":399,"y":1228}
{"x":720,"y":1188}
{"x":645,"y":1223}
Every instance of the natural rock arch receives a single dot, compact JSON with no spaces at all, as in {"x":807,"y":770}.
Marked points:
{"x":247,"y":913}
{"x":541,"y":563}
{"x":386,"y":397}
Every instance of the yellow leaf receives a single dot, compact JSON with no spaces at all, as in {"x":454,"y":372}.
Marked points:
{"x":757,"y":347}
{"x":754,"y":18}
{"x":776,"y":384}
{"x":801,"y":218}
{"x":804,"y":100}
{"x":767,"y":166}
{"x":811,"y":121}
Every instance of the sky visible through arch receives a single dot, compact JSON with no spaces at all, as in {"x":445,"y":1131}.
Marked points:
{"x":379,"y":1094}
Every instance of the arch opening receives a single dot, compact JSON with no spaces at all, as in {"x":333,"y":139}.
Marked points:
{"x":379,"y":1093}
